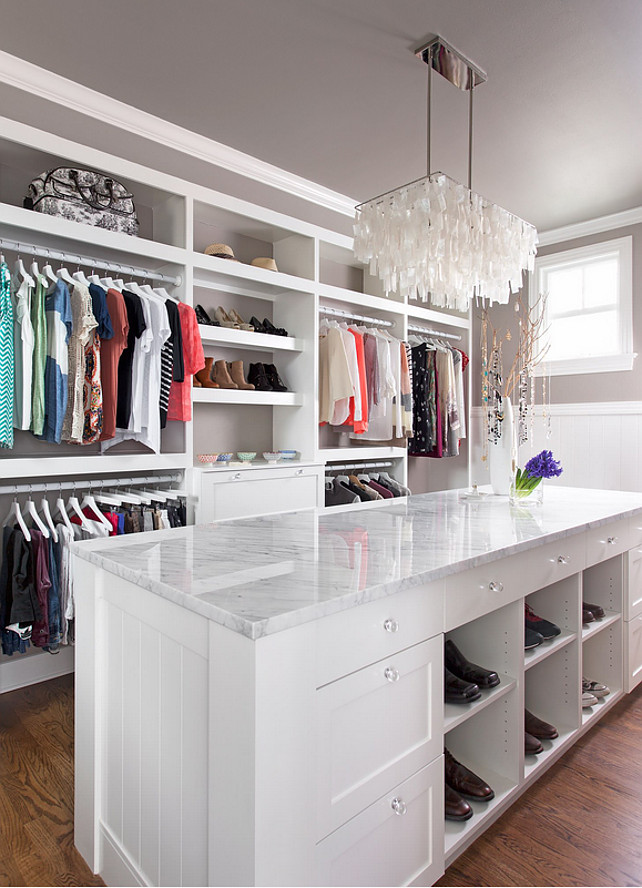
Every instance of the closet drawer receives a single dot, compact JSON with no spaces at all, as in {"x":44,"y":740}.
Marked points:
{"x":349,"y":640}
{"x":632,"y":653}
{"x":608,"y":540}
{"x":245,"y":493}
{"x":479,"y":591}
{"x":393,"y":842}
{"x":376,"y":727}
{"x":633,"y":583}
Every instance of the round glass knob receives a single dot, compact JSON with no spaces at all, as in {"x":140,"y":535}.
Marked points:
{"x":563,"y":559}
{"x":398,"y":806}
{"x":390,"y":625}
{"x":611,"y":540}
{"x":496,"y":586}
{"x":391,"y":673}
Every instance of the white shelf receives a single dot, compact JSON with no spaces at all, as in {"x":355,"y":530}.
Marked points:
{"x":433,"y":316}
{"x":458,"y":834}
{"x":457,"y":713}
{"x":553,"y":749}
{"x":359,"y":453}
{"x":214,"y":273}
{"x":591,"y":629}
{"x":373,"y":304}
{"x":371,"y":504}
{"x":536,"y":655}
{"x":56,"y":233}
{"x":246,"y":396}
{"x":96,"y":464}
{"x":596,"y":712}
{"x":227,"y":336}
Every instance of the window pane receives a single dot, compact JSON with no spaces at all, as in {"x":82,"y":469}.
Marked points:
{"x":601,"y":283}
{"x":585,"y":335}
{"x":564,"y":286}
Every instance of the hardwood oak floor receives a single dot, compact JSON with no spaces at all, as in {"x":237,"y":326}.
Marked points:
{"x":580,"y":824}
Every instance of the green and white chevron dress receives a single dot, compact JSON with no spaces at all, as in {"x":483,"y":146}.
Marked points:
{"x":6,"y":359}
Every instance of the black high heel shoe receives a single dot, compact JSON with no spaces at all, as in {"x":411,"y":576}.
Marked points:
{"x":272,"y":330}
{"x":203,"y":318}
{"x":258,"y":326}
{"x":274,"y":379}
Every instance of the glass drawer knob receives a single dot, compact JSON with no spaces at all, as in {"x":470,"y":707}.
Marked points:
{"x":237,"y":476}
{"x":563,"y":559}
{"x":398,"y":806}
{"x":391,"y":673}
{"x":299,"y":472}
{"x":611,"y":540}
{"x":390,"y":625}
{"x":496,"y":586}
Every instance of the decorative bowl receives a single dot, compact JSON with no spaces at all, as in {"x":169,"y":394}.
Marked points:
{"x":224,"y":457}
{"x":207,"y":457}
{"x":246,"y":455}
{"x":272,"y":456}
{"x":288,"y":454}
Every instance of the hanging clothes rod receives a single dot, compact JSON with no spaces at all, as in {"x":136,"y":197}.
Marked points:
{"x":44,"y":487}
{"x":88,"y":262}
{"x":340,"y":313}
{"x":358,"y":465}
{"x":412,"y":328}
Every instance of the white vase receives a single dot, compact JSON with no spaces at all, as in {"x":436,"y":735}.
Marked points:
{"x":502,"y":454}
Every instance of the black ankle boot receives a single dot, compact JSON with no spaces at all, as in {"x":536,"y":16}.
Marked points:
{"x":456,"y":663}
{"x":258,"y":377}
{"x":274,"y":379}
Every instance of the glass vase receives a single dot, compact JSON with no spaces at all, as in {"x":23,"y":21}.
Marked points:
{"x":526,"y":498}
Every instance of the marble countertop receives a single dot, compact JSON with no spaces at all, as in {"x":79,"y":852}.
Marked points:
{"x":263,"y":575}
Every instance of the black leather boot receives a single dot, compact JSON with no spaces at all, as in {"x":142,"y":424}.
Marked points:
{"x":258,"y":377}
{"x":274,"y":379}
{"x":462,"y":668}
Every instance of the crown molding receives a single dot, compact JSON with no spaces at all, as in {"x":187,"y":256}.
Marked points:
{"x":52,"y":87}
{"x":592,"y":226}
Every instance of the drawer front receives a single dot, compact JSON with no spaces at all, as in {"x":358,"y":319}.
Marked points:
{"x":633,"y":584}
{"x":243,"y":494}
{"x":369,"y":632}
{"x":557,"y":560}
{"x":394,"y":841}
{"x":608,"y":540}
{"x":376,"y":727}
{"x":632,"y":653}
{"x":475,"y":592}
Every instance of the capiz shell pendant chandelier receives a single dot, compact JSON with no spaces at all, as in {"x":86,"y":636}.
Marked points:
{"x":436,"y":239}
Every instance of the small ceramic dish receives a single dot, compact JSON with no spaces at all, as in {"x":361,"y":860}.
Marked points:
{"x":288,"y":454}
{"x":224,"y":457}
{"x":272,"y":456}
{"x":207,"y":457}
{"x":246,"y":455}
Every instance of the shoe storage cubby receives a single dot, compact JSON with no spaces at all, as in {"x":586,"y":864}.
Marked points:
{"x":487,"y":744}
{"x":602,"y":662}
{"x":558,"y":603}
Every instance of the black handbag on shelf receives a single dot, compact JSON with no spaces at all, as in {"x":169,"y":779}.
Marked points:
{"x":84,"y":196}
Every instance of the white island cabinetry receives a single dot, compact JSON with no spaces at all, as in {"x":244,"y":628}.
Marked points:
{"x":260,"y":701}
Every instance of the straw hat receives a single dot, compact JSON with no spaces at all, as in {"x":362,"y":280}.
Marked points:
{"x":222,"y":251}
{"x":265,"y":263}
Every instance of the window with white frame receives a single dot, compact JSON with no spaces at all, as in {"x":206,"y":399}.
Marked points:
{"x":588,"y":320}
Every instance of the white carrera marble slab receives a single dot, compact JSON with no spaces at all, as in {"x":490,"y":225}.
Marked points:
{"x":262,"y":575}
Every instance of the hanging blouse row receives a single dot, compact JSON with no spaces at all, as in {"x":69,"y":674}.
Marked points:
{"x":84,"y":360}
{"x":379,"y":388}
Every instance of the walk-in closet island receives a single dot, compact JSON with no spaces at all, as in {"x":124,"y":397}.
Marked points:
{"x":261,"y":701}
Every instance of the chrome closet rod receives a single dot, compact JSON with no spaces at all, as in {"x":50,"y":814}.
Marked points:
{"x":358,"y":465}
{"x":53,"y":486}
{"x":340,"y":313}
{"x":88,"y":262}
{"x":412,"y":328}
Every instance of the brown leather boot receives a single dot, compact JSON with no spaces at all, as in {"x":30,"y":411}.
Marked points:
{"x":237,"y":373}
{"x":222,"y":377}
{"x":204,"y":375}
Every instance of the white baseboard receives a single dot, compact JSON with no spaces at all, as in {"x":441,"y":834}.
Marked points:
{"x":116,"y":866}
{"x":22,"y":670}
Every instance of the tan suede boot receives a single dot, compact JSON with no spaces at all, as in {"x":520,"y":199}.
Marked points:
{"x":238,"y":375}
{"x":204,"y":375}
{"x":222,"y":377}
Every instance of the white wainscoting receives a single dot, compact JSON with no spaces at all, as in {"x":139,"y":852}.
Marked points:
{"x":599,"y":444}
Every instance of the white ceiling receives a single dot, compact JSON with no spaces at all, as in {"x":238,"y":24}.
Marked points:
{"x":330,"y":89}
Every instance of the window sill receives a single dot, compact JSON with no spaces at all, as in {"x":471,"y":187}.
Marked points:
{"x":598,"y":364}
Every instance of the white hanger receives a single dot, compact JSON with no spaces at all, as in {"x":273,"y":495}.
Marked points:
{"x":24,"y":274}
{"x":95,"y":279}
{"x":44,"y":505}
{"x":74,"y":506}
{"x":107,"y":283}
{"x":90,"y":503}
{"x":62,"y":511}
{"x":135,"y":287}
{"x":159,"y":496}
{"x":79,"y":276}
{"x":35,"y":271}
{"x":63,"y":274}
{"x":32,"y":512}
{"x":135,"y":498}
{"x":108,"y":499}
{"x":162,"y":292}
{"x":15,"y":515}
{"x":50,"y":273}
